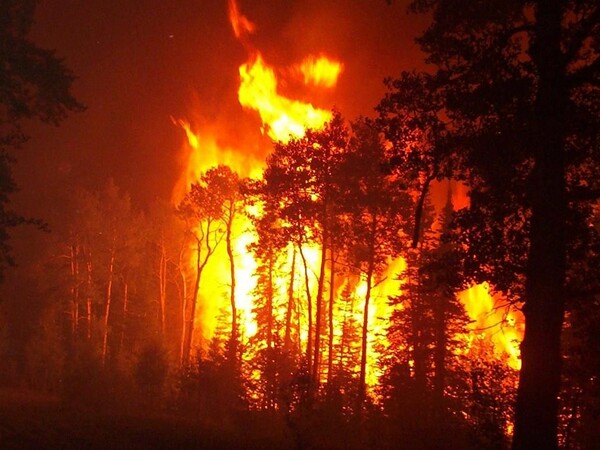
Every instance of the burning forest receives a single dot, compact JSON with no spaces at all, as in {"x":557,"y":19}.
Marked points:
{"x":422,"y":276}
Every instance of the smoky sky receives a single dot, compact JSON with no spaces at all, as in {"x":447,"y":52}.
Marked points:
{"x":140,"y":63}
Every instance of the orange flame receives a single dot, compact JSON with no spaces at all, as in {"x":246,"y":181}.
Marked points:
{"x":240,"y":23}
{"x":320,"y":71}
{"x":282,"y":117}
{"x":504,"y":327}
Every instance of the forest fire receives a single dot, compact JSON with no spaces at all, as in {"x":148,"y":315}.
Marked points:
{"x":328,"y":261}
{"x":283,"y":119}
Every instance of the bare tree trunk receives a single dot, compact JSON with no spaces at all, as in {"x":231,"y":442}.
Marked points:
{"x":184,"y":306}
{"x":364,"y":341}
{"x":290,"y":305}
{"x":319,"y":316}
{"x":200,"y":265}
{"x":309,"y":301}
{"x":331,"y":304}
{"x":162,"y":285}
{"x":111,"y":269}
{"x":270,"y":305}
{"x":125,"y":312}
{"x":234,"y":326}
{"x":441,"y":342}
{"x":189,"y":317}
{"x":89,"y":296}
{"x":365,"y":326}
{"x":416,"y":315}
{"x":74,"y":291}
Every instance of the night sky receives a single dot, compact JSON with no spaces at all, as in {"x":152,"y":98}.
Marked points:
{"x":140,"y":63}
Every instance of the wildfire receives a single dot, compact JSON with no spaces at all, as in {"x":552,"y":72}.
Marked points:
{"x":320,"y":71}
{"x":500,"y":324}
{"x":283,"y":118}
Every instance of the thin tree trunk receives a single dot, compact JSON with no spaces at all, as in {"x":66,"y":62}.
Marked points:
{"x":365,"y":326}
{"x":441,"y":341}
{"x":184,"y":306}
{"x":417,"y":312}
{"x":189,"y":317}
{"x":331,"y":304}
{"x":270,"y":304}
{"x":162,"y":285}
{"x":364,"y":340}
{"x":125,"y":312}
{"x":111,"y":269}
{"x":319,"y":316}
{"x":89,"y":296}
{"x":234,"y":327}
{"x":290,"y":306}
{"x":74,"y":291}
{"x":200,"y":265}
{"x":420,"y":206}
{"x":309,"y":301}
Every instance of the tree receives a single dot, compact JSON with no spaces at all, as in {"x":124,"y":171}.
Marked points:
{"x":299,"y":177}
{"x":201,"y":209}
{"x":375,"y":203}
{"x":224,"y":185}
{"x":34,"y":84}
{"x":520,"y":84}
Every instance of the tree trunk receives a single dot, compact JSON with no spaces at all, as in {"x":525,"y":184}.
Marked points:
{"x":89,"y":296}
{"x":365,"y":326}
{"x":189,"y":317}
{"x":162,"y":285}
{"x":74,"y":291}
{"x":184,"y":307}
{"x":234,"y":326}
{"x":536,"y":414}
{"x":309,"y":301}
{"x":417,"y":313}
{"x":270,"y":304}
{"x":319,"y":315}
{"x":331,"y":303}
{"x":111,"y":269}
{"x":287,"y":341}
{"x":441,"y":341}
{"x":125,"y":312}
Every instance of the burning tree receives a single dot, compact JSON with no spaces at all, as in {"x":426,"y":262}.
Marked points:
{"x":202,"y":210}
{"x":299,"y":174}
{"x":375,"y":204}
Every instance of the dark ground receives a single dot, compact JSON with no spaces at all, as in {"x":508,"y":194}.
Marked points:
{"x":37,"y":422}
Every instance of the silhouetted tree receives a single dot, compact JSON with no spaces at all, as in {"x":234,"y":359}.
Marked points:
{"x":34,"y":84}
{"x":299,"y":174}
{"x":202,"y":212}
{"x":518,"y":81}
{"x":224,"y":185}
{"x":375,"y":203}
